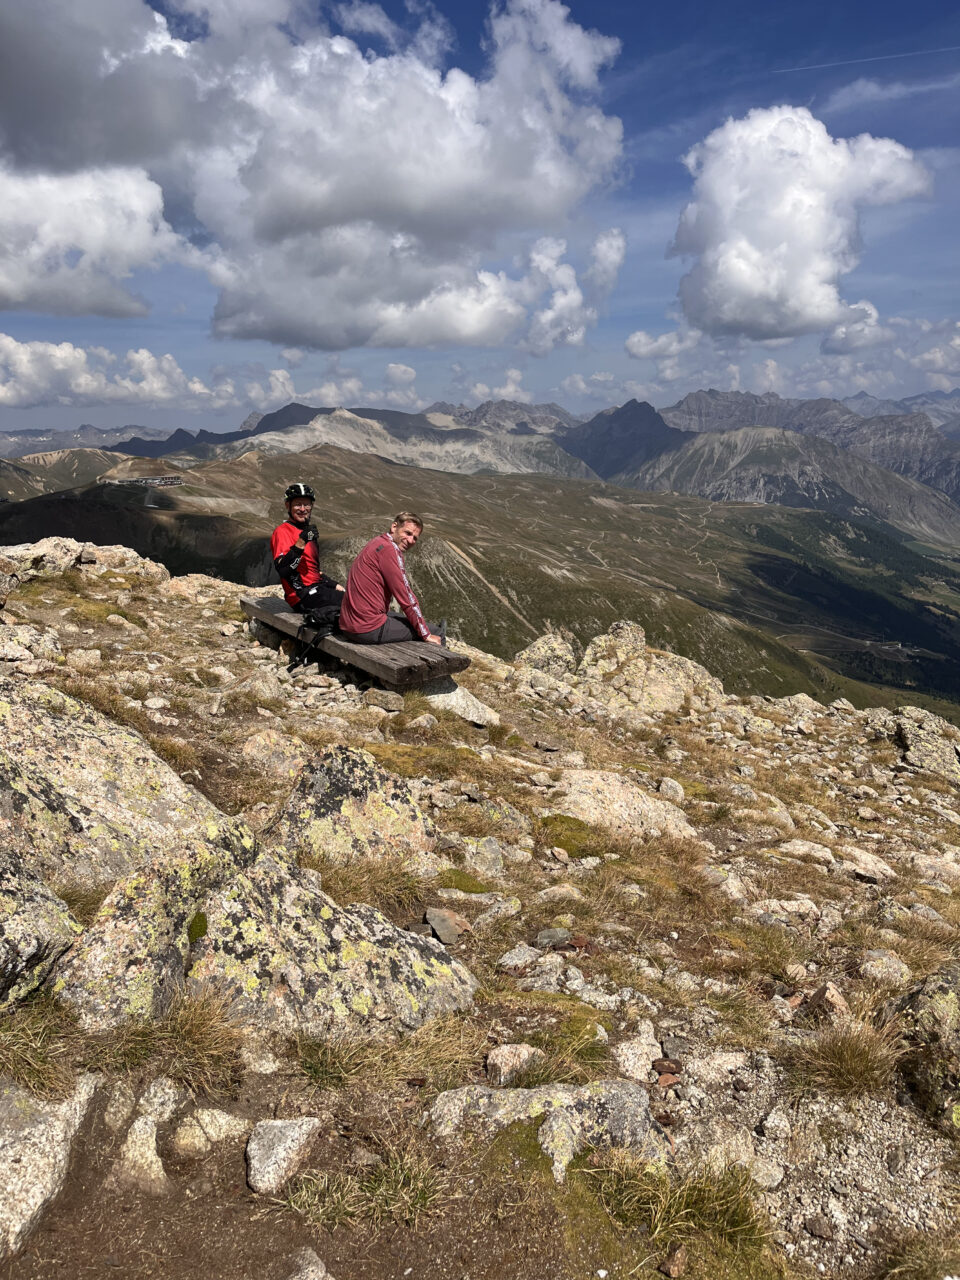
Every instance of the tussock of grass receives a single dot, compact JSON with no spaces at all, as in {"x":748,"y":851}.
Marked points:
{"x":195,"y":1042}
{"x":922,"y":1257}
{"x":442,"y":1054}
{"x":83,"y":901}
{"x":574,"y":1055}
{"x":850,"y":1059}
{"x":177,"y":752}
{"x":332,"y":1063}
{"x":745,"y":1018}
{"x":720,"y":1205}
{"x":381,"y":882}
{"x":35,"y":1042}
{"x":401,"y":1189}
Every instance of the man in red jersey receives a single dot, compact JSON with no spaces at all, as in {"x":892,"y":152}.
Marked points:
{"x":293,"y":546}
{"x":377,"y":575}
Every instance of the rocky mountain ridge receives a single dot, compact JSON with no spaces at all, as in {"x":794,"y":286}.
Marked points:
{"x":294,"y":936}
{"x":906,"y":443}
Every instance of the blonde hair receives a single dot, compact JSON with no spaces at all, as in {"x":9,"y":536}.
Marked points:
{"x":407,"y":517}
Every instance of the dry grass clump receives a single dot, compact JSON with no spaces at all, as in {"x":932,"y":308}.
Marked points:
{"x":851,"y":1059}
{"x":575,"y":1054}
{"x":195,"y":1041}
{"x":745,"y":1019}
{"x":35,"y":1047}
{"x":442,"y":1054}
{"x":381,"y":882}
{"x":671,"y":1207}
{"x":83,"y":901}
{"x":403,"y":1187}
{"x":106,"y":699}
{"x":922,"y":1257}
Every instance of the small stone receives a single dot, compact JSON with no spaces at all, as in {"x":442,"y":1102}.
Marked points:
{"x":776,"y":1125}
{"x":820,"y":1226}
{"x":507,"y":1061}
{"x":383,"y":698}
{"x":307,"y":1266}
{"x":671,"y":790}
{"x":886,"y":967}
{"x":636,"y":1056}
{"x":518,"y":957}
{"x":161,"y":1100}
{"x":447,"y":925}
{"x":275,"y":1151}
{"x":139,"y":1164}
{"x":828,"y":1001}
{"x":547,"y":938}
{"x":675,"y":1263}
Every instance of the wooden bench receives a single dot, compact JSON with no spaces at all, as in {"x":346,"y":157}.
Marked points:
{"x":398,"y":666}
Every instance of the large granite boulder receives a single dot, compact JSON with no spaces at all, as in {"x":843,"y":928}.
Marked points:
{"x":930,"y":1014}
{"x":83,"y":799}
{"x":345,"y":806}
{"x":293,"y":960}
{"x":35,"y":928}
{"x":649,"y":680}
{"x":604,"y":798}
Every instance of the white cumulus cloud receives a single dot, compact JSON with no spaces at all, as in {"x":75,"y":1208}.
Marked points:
{"x":338,"y":196}
{"x":38,"y":373}
{"x":70,"y":240}
{"x":773,"y":226}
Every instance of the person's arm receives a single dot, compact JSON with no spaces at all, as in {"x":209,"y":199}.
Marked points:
{"x":395,"y":577}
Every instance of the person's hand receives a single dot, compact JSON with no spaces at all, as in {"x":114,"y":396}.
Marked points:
{"x":310,"y":533}
{"x":339,"y":588}
{"x":434,"y":640}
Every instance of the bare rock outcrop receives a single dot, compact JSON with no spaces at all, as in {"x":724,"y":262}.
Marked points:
{"x":605,"y":798}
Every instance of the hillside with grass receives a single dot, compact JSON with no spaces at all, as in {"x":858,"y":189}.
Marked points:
{"x":597,"y":967}
{"x":773,"y":600}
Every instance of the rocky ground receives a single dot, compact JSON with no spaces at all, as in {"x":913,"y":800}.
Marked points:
{"x":587,"y":969}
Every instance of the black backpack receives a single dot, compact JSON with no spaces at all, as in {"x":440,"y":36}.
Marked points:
{"x":322,"y":622}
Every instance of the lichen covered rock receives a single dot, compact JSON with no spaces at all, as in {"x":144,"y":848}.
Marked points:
{"x":620,"y":666}
{"x":930,"y":1012}
{"x":83,"y":799}
{"x":35,"y":928}
{"x":605,"y":1113}
{"x":130,"y":962}
{"x":345,"y":806}
{"x":293,"y":960}
{"x":553,"y":653}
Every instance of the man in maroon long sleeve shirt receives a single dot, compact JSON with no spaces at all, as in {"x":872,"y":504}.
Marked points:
{"x":378,"y":575}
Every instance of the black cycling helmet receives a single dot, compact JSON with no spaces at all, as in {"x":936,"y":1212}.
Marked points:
{"x":299,"y":491}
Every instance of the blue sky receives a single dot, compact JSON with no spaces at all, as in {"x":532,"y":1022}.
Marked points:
{"x":214,"y":206}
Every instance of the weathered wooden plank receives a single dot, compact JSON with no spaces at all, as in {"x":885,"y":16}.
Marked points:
{"x":403,"y":665}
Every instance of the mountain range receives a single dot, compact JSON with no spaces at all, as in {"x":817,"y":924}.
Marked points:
{"x":775,"y":549}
